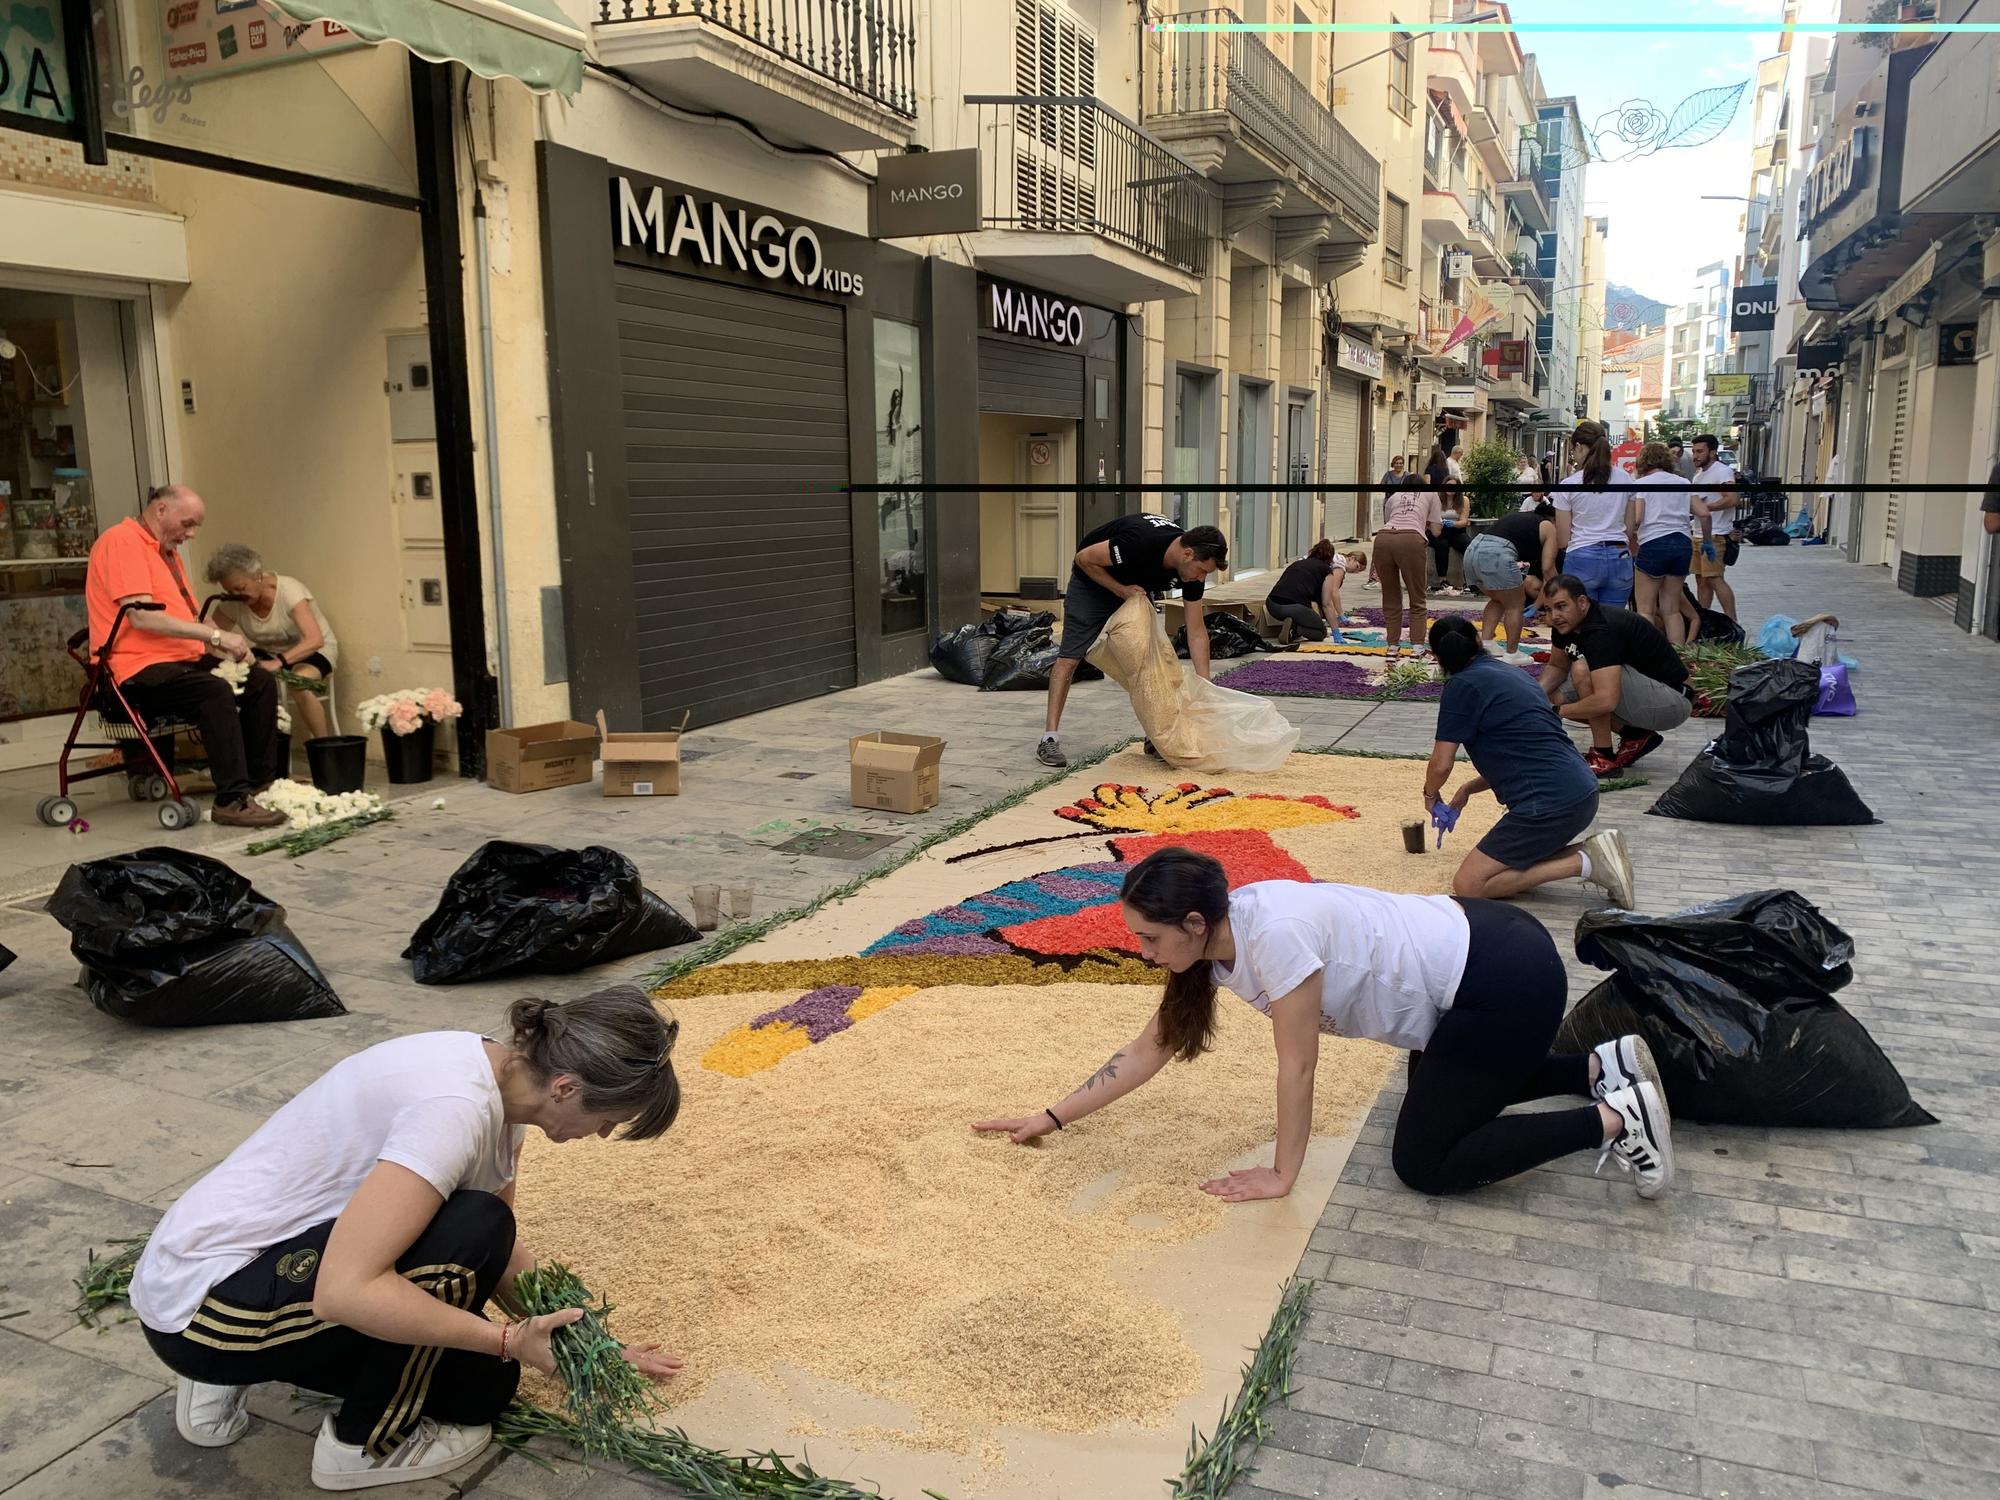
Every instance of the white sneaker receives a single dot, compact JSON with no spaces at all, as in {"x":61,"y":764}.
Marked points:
{"x":1646,"y":1147}
{"x":1611,"y":866}
{"x":210,"y":1416}
{"x":1625,"y":1063}
{"x":434,"y":1448}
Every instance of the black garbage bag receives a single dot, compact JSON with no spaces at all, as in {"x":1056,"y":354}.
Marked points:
{"x":963,"y":654}
{"x":6,"y":955}
{"x":1715,"y":625}
{"x":530,"y":909}
{"x":1021,"y":663}
{"x":169,"y":938}
{"x":1228,"y":635}
{"x":1771,"y":534}
{"x":1735,"y":998}
{"x":1762,"y":770}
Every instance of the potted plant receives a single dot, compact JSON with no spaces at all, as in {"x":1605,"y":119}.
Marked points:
{"x":1486,"y":466}
{"x":408,"y":720}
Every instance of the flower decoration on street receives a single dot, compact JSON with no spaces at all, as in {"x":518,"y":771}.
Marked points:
{"x":1638,"y":128}
{"x":406,"y":711}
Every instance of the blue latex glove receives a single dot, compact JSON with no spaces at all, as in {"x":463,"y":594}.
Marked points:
{"x":1444,"y":818}
{"x":1708,"y":551}
{"x":1335,"y":637}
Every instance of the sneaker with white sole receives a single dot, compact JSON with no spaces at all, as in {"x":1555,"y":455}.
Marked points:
{"x":1624,"y":1063}
{"x":1646,"y":1146}
{"x":434,"y":1448}
{"x":210,"y":1416}
{"x":1049,"y":753}
{"x":1611,"y":866}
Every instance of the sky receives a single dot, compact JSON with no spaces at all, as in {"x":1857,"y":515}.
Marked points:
{"x":1661,"y":232}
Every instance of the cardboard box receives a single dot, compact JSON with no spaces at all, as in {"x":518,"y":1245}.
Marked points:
{"x":645,"y":764}
{"x":895,"y":772}
{"x":537,"y":757}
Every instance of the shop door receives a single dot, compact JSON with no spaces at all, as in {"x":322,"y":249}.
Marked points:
{"x":1250,"y":547}
{"x":1899,"y":462}
{"x":1296,"y":509}
{"x":1044,"y":534}
{"x":736,"y":451}
{"x":1343,"y":449}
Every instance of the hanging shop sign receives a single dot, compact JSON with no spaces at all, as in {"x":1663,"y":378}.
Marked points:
{"x":1754,"y":309}
{"x":1836,"y":178}
{"x":666,"y":226}
{"x":1029,"y":314}
{"x":1350,"y":353}
{"x":1465,"y":397}
{"x":34,"y":65}
{"x":925,"y":192}
{"x":207,"y":38}
{"x":1958,"y":343}
{"x":1729,"y":385}
{"x":1820,"y":356}
{"x":1507,"y":358}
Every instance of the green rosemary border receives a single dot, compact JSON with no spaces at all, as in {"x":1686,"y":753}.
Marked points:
{"x":1217,"y":1463}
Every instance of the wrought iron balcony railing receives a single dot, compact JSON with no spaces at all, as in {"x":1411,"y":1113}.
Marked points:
{"x":1076,"y":166}
{"x":868,"y":47}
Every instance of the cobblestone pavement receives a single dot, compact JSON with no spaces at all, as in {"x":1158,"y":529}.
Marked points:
{"x":1810,"y":1314}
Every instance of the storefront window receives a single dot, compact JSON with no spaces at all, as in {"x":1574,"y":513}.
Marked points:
{"x":34,"y":68}
{"x":899,"y":460}
{"x":67,"y":469}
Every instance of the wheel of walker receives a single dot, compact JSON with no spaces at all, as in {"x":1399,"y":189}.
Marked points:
{"x":135,"y":788}
{"x":157,"y":789}
{"x":181,"y":814}
{"x":55,"y":811}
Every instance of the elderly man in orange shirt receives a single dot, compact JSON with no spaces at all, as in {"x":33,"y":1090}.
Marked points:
{"x":164,"y":659}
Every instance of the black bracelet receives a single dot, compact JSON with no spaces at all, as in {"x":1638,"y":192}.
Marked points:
{"x":1052,"y":1115}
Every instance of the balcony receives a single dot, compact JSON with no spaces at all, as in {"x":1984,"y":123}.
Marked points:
{"x":837,"y":76}
{"x":1230,"y":105}
{"x":1485,"y":232}
{"x":1445,"y":216}
{"x":1523,"y":191}
{"x":1449,"y":68}
{"x":1077,"y":198}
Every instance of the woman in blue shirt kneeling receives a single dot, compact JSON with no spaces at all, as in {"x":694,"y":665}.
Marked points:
{"x":1522,"y":754}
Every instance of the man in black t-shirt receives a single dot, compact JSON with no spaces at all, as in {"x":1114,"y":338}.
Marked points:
{"x":1610,"y":666}
{"x":1129,"y":557}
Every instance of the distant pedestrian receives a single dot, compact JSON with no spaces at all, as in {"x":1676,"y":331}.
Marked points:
{"x":1527,"y":471}
{"x":1682,"y":464}
{"x":1714,"y":483}
{"x":1394,"y":476}
{"x":1661,"y":515}
{"x":1593,"y":524}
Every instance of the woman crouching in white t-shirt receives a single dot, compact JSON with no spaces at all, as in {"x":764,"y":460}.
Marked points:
{"x":1397,"y":969}
{"x":350,"y":1245}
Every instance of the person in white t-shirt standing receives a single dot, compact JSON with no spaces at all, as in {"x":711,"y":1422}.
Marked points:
{"x":351,"y":1243}
{"x":1473,"y":989}
{"x":1662,"y":514}
{"x":1594,"y":528}
{"x":1714,"y":483}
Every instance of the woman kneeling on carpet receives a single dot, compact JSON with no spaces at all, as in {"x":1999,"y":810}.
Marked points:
{"x":349,"y":1245}
{"x":1522,"y":754}
{"x":1397,"y":969}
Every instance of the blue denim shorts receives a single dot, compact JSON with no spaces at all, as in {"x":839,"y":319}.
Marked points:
{"x":1666,"y":557}
{"x":1491,"y":564}
{"x":1605,"y":570}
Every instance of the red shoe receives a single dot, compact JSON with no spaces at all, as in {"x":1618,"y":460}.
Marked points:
{"x":1637,"y":747}
{"x":1602,"y":763}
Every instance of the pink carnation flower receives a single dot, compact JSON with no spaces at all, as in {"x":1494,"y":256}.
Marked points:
{"x":404,"y":716}
{"x":440,"y":705}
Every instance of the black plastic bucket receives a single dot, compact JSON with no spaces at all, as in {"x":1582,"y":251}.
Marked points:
{"x":407,"y":757}
{"x":339,"y":762}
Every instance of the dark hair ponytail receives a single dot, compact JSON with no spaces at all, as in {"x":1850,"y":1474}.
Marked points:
{"x":1322,"y":550}
{"x":1597,"y":464}
{"x":616,"y":1046}
{"x":1455,"y":644}
{"x":1168,"y":886}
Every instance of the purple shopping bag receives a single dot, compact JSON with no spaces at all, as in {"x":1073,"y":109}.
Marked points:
{"x":1836,"y":696}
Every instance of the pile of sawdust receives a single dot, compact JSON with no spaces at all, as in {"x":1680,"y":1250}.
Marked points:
{"x":838,"y":1215}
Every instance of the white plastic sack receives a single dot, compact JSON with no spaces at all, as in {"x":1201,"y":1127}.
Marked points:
{"x":1193,"y":724}
{"x":1819,"y":645}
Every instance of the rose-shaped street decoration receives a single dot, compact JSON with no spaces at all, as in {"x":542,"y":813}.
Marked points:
{"x":1637,"y":127}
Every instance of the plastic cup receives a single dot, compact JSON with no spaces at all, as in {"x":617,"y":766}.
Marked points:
{"x":740,"y":902}
{"x":707,"y":907}
{"x":1413,"y":835}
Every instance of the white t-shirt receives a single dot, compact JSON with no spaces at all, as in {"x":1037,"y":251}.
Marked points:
{"x":1594,"y":515}
{"x":1716,"y":473}
{"x":278,"y":632}
{"x":1389,"y":966}
{"x":428,"y":1102}
{"x":1665,"y":509}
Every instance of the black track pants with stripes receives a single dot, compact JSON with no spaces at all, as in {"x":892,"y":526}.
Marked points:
{"x":258,"y":1325}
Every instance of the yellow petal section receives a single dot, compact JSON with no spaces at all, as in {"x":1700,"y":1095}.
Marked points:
{"x":752,"y":1049}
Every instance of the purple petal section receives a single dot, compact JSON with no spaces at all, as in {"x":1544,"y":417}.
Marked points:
{"x":1071,"y":888}
{"x":958,"y":945}
{"x":1327,"y":677}
{"x":1008,"y":903}
{"x":822,"y":1013}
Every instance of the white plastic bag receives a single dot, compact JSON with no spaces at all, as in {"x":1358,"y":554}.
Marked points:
{"x":1193,"y":724}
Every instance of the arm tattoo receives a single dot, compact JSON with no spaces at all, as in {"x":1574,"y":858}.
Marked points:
{"x":1109,"y":1070}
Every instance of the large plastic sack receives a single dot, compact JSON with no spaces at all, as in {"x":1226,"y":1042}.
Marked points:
{"x":1836,"y":694}
{"x":530,"y":909}
{"x":962,"y":655}
{"x":1021,"y":662}
{"x":169,"y":938}
{"x":6,"y":956}
{"x":1735,"y":998}
{"x":1228,"y":636}
{"x":1193,"y":724}
{"x":1761,"y":769}
{"x":1818,"y":643}
{"x":1775,"y":638}
{"x":1715,"y":625}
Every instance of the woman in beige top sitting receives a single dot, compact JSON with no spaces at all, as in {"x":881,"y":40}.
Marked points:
{"x":281,"y":621}
{"x":1411,"y":516}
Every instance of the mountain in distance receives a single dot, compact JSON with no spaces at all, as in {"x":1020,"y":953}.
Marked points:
{"x":1627,"y":309}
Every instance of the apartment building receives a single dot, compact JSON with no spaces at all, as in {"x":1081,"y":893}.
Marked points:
{"x":1565,"y":151}
{"x":1695,"y":345}
{"x":1590,"y":318}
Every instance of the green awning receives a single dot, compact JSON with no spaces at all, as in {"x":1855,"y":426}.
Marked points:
{"x":529,"y":40}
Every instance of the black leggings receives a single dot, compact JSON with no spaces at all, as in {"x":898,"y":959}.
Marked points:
{"x":1303,"y":618}
{"x":1490,"y":1050}
{"x":258,"y":1325}
{"x":1451,"y":539}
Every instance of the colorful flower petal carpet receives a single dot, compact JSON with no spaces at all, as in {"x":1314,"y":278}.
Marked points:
{"x":1412,"y":680}
{"x":855,"y":1275}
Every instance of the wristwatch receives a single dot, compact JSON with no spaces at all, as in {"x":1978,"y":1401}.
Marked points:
{"x":215,"y":639}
